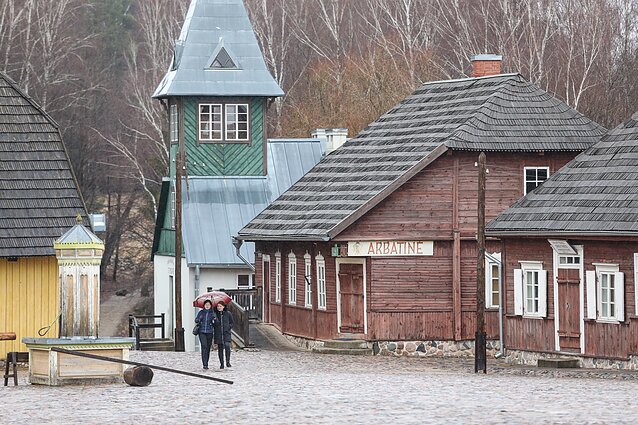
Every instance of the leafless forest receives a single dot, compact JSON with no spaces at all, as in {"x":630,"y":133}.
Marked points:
{"x":93,"y":65}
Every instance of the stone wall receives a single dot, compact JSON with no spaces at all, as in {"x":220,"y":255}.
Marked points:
{"x":530,"y":358}
{"x":432,"y":348}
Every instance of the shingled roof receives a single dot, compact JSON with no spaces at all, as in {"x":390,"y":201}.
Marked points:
{"x":39,"y":197}
{"x":497,"y":113}
{"x":594,"y":194}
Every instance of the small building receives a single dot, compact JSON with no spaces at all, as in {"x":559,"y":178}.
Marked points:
{"x":570,"y":255}
{"x":378,"y":241}
{"x":39,"y":201}
{"x":217,"y":92}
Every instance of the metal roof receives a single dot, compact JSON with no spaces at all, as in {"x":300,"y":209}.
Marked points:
{"x":210,"y":27}
{"x":215,"y":208}
{"x":496,"y":113}
{"x":39,"y":197}
{"x":595,"y":194}
{"x":79,"y":234}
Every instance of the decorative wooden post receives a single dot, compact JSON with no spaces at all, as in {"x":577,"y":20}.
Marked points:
{"x":79,"y":253}
{"x":480,"y":351}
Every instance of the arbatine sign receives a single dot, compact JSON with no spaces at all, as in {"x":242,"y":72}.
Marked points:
{"x":390,"y":248}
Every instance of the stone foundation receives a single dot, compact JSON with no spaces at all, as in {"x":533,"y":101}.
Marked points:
{"x":305,"y":343}
{"x":530,"y":358}
{"x":432,"y":348}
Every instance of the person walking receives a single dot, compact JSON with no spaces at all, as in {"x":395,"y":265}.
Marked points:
{"x":206,"y":318}
{"x":223,"y":326}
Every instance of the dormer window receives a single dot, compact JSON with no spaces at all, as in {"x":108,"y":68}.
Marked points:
{"x":223,"y":61}
{"x":224,"y":122}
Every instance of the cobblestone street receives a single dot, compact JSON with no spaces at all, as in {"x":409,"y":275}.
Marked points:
{"x":300,"y":387}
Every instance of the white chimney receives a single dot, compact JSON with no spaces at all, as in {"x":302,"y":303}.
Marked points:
{"x":334,"y":137}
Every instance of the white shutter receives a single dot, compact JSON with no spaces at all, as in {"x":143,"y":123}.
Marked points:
{"x":620,"y":296}
{"x":518,"y":292}
{"x":590,"y":279}
{"x":488,"y":284}
{"x":542,"y":293}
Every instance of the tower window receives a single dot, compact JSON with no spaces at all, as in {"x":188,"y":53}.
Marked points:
{"x":234,"y":120}
{"x":223,"y":61}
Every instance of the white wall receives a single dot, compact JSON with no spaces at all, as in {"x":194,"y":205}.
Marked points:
{"x":164,"y":267}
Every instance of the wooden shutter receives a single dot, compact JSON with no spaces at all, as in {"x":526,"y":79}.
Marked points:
{"x":620,"y":296}
{"x":518,"y":292}
{"x":542,"y":293}
{"x":590,"y":279}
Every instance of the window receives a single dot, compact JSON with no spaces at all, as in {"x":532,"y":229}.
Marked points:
{"x":210,"y":122}
{"x":530,"y":289}
{"x":308,"y":279}
{"x":174,"y":124}
{"x":243,"y":281}
{"x":292,"y":279}
{"x":223,"y":61}
{"x":492,"y":278}
{"x":321,"y":281}
{"x":224,"y":122}
{"x":566,"y":260}
{"x":534,"y":177}
{"x":605,"y":293}
{"x":277,"y":277}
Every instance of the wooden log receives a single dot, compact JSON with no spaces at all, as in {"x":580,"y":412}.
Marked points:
{"x":138,"y":376}
{"x":7,"y":336}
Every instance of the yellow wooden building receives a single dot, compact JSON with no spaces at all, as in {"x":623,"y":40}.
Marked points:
{"x":39,"y":201}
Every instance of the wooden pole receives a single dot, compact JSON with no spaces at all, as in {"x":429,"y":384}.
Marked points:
{"x":179,"y":329}
{"x":480,"y":361}
{"x":113,"y":360}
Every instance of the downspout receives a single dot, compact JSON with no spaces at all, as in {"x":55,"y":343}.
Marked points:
{"x":237,"y":243}
{"x":197,"y":274}
{"x":501,"y":353}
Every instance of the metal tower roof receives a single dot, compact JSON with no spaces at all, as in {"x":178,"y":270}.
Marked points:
{"x":217,"y":54}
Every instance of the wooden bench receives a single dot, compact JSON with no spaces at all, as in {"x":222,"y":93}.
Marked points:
{"x":13,"y":358}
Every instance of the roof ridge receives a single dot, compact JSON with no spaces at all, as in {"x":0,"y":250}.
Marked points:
{"x":28,"y":98}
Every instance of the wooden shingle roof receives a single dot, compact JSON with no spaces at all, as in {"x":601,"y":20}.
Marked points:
{"x":498,"y":113}
{"x":39,"y":197}
{"x":594,"y":194}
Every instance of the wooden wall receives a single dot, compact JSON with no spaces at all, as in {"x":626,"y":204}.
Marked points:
{"x":29,"y":299}
{"x":601,"y":339}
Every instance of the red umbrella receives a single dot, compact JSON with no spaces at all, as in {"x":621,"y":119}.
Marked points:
{"x":215,"y":297}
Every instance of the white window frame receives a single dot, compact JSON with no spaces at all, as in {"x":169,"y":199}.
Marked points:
{"x":489,"y":280}
{"x":250,"y":279}
{"x":292,"y":279}
{"x":235,"y":133}
{"x":278,"y":277}
{"x":173,"y":202}
{"x":534,"y":267}
{"x":570,"y":261}
{"x":321,"y":281}
{"x":308,"y":280}
{"x":538,"y":183}
{"x":609,"y":270}
{"x":173,"y":123}
{"x":211,"y":121}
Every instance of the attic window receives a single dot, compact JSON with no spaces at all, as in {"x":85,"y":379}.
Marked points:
{"x":223,"y":61}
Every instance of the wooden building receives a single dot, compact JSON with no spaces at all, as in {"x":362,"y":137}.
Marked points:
{"x":39,"y":201}
{"x":378,"y":241}
{"x":570,"y":251}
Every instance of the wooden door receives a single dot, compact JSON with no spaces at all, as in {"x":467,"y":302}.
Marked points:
{"x":266,"y":291}
{"x":569,"y":310}
{"x":351,"y":295}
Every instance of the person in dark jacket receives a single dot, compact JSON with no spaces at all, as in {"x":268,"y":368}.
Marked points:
{"x":223,"y":326}
{"x":206,"y":319}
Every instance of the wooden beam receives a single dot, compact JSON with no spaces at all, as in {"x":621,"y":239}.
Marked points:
{"x":7,"y":336}
{"x":456,"y":255}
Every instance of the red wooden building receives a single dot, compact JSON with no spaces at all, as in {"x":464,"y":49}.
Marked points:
{"x":570,"y":250}
{"x":378,"y":241}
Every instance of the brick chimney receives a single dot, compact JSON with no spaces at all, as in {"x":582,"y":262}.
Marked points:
{"x":485,"y":65}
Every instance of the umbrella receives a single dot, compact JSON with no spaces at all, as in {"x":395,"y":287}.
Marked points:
{"x":215,"y":297}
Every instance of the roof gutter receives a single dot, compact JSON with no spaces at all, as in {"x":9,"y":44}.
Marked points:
{"x":237,"y":243}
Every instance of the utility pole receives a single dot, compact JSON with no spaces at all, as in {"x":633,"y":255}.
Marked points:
{"x":480,"y":350}
{"x":179,"y":329}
